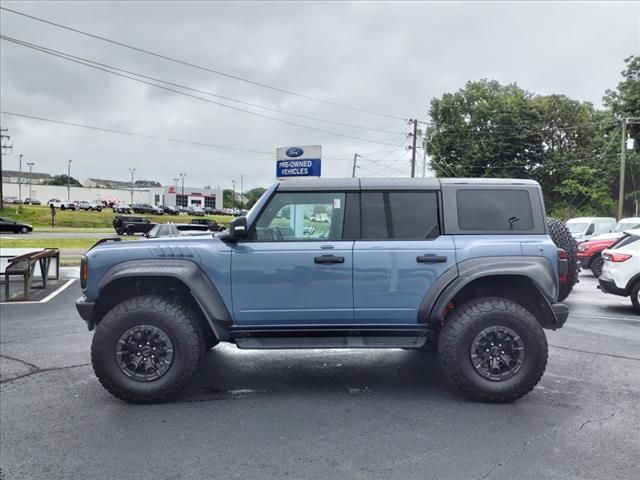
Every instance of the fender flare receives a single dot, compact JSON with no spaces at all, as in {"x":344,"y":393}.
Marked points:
{"x":536,"y":269}
{"x":631,"y":283}
{"x":190,"y":274}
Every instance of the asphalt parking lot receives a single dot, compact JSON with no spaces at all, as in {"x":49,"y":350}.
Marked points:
{"x":321,"y":414}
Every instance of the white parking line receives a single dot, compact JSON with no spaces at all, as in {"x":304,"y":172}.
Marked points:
{"x":607,"y":317}
{"x":45,"y":299}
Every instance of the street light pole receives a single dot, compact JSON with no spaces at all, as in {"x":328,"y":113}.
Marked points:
{"x":233,"y":195}
{"x":132,"y":170}
{"x":20,"y":180}
{"x":182,"y":175}
{"x":175,"y":184}
{"x":69,"y":181}
{"x":30,"y":164}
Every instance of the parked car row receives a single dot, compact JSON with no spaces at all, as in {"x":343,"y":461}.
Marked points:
{"x":26,"y":201}
{"x":590,"y":251}
{"x":132,"y":224}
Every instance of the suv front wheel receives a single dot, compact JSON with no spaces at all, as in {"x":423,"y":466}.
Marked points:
{"x":147,"y":349}
{"x":493,"y":349}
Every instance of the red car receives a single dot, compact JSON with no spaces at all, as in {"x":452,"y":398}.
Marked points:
{"x":589,"y":254}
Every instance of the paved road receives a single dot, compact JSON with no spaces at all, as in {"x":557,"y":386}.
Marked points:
{"x":321,"y":414}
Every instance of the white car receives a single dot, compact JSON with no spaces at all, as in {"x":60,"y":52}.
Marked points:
{"x":90,"y":206}
{"x":583,"y":228}
{"x":621,"y":270}
{"x":624,"y":224}
{"x":61,"y":204}
{"x":122,"y":208}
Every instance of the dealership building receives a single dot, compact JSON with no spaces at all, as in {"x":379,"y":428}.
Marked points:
{"x":21,"y":185}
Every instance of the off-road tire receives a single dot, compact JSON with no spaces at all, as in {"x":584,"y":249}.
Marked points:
{"x":596,"y":266}
{"x":456,"y":339}
{"x":176,"y":320}
{"x":635,"y":296}
{"x":562,"y":237}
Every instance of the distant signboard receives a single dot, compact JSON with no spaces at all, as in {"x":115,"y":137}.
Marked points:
{"x":305,"y":161}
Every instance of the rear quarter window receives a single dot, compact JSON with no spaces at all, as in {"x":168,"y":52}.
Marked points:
{"x":497,"y":210}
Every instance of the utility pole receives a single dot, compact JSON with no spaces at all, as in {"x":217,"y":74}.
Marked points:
{"x":30,"y":165}
{"x":241,"y":190}
{"x":623,"y":159}
{"x":69,"y":181}
{"x":233,"y":195}
{"x":132,"y":170}
{"x":413,"y":147}
{"x":9,"y":148}
{"x":20,"y":180}
{"x":355,"y":161}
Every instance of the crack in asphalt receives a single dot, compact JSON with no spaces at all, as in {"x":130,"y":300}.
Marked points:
{"x":34,"y":369}
{"x":595,"y":353}
{"x":30,"y":365}
{"x":530,"y":442}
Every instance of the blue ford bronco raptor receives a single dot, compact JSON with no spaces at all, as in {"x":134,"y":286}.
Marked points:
{"x":462,"y":266}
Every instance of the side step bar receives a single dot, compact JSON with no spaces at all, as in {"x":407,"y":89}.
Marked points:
{"x":330,"y":337}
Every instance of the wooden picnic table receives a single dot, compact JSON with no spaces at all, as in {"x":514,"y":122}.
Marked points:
{"x":24,"y":265}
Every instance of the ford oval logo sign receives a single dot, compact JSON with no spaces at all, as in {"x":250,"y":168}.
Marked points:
{"x":294,"y":152}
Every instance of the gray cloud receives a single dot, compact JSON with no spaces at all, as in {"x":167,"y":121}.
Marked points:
{"x":386,"y":57}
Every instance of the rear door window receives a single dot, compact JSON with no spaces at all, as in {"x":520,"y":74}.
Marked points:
{"x":499,"y":210}
{"x":399,"y":215}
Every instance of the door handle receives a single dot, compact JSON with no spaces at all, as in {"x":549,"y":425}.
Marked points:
{"x":431,"y":259}
{"x":328,"y":259}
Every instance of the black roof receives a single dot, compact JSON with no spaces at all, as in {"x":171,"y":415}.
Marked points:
{"x":431,"y":183}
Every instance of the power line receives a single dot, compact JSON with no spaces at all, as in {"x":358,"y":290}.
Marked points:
{"x":132,"y":134}
{"x":223,"y":97}
{"x":65,"y":57}
{"x":199,"y":67}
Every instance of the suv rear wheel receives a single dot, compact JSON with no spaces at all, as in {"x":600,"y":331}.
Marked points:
{"x":493,"y":349}
{"x":635,"y":295}
{"x":147,"y":349}
{"x":596,"y":266}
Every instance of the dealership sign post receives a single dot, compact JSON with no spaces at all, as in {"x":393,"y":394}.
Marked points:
{"x":299,"y":161}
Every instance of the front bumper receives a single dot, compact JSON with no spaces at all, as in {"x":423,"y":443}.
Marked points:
{"x":85,"y":308}
{"x":561,"y":313}
{"x":609,"y":286}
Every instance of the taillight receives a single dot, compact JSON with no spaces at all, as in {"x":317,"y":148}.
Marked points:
{"x":616,"y":257}
{"x":84,"y":272}
{"x":563,"y":266}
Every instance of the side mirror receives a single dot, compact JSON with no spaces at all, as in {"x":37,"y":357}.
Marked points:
{"x":238,"y":229}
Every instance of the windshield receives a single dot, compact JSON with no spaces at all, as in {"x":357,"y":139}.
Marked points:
{"x":577,"y":227}
{"x":621,"y":227}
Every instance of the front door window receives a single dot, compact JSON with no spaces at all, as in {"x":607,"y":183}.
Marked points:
{"x":302,"y":216}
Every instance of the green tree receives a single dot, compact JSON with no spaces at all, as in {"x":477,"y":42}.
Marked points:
{"x":227,"y":196}
{"x":625,"y":99}
{"x":492,"y":130}
{"x":252,"y":196}
{"x":62,"y":180}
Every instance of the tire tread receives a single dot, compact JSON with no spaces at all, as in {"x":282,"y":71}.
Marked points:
{"x":180,"y":315}
{"x":454,"y":327}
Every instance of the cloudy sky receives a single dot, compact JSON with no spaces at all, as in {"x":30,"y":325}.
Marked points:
{"x":387,"y":60}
